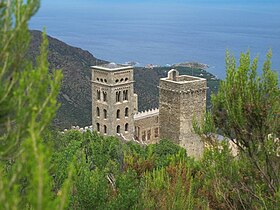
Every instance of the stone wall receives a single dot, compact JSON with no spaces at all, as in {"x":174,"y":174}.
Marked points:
{"x":147,"y":126}
{"x":113,"y":100}
{"x":182,"y":98}
{"x":115,"y":108}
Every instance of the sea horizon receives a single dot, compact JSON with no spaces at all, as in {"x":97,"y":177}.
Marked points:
{"x":164,"y":35}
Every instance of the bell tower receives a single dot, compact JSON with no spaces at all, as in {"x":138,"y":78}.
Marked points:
{"x":113,"y":100}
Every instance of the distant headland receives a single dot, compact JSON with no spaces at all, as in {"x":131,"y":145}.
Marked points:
{"x":189,"y":64}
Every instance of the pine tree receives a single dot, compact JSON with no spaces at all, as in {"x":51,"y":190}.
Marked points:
{"x":27,"y":105}
{"x":246,"y":110}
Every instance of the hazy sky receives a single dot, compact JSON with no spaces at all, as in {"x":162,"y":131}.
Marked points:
{"x":48,"y":2}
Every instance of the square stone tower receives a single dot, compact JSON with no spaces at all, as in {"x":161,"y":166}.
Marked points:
{"x":113,"y":100}
{"x":181,"y":99}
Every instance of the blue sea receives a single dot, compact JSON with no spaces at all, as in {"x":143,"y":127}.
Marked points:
{"x":165,"y":33}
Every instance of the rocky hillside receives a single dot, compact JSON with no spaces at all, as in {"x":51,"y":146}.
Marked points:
{"x":75,"y":94}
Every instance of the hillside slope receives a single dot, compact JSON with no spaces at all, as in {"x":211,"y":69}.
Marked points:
{"x":75,"y":94}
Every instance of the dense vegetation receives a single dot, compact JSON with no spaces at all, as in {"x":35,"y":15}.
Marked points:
{"x":75,"y":92}
{"x":44,"y":169}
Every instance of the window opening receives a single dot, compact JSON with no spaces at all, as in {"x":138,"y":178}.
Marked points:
{"x":126,"y":112}
{"x":156,"y":132}
{"x":118,"y":129}
{"x":126,"y":127}
{"x":118,"y":114}
{"x":149,"y":135}
{"x":125,"y":95}
{"x":118,"y":96}
{"x":97,"y":112}
{"x":98,"y":94}
{"x":104,"y":96}
{"x":105,"y":113}
{"x":144,"y":136}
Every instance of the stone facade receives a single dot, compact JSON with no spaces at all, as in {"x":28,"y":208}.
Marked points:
{"x":182,"y":98}
{"x":115,"y":107}
{"x":147,"y":126}
{"x":113,"y":100}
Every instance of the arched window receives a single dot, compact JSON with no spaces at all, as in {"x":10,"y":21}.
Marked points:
{"x":105,"y":129}
{"x":118,"y":114}
{"x":118,"y":96}
{"x":98,"y":94}
{"x":125,"y":95}
{"x":97,"y":112}
{"x":126,"y":79}
{"x":126,"y":112}
{"x":105,"y":113}
{"x":126,"y":127}
{"x":104,"y":96}
{"x":118,"y":129}
{"x":98,"y":127}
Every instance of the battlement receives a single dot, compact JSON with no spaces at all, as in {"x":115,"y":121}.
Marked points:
{"x":146,"y":113}
{"x":173,"y":76}
{"x":182,"y":83}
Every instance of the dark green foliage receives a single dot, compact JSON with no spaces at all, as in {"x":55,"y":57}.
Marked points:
{"x":163,"y":151}
{"x":246,"y":111}
{"x":28,"y":104}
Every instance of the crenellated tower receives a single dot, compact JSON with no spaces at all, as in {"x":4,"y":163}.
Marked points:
{"x":182,"y":98}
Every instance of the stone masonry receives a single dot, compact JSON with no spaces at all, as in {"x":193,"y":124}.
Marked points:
{"x":113,"y":100}
{"x":182,"y":98}
{"x":115,"y":107}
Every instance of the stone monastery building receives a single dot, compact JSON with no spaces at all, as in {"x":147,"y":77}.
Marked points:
{"x":115,"y":107}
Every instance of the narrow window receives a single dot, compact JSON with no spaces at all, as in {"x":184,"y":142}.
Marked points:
{"x":98,"y":127}
{"x":126,"y":112}
{"x":125,"y":95}
{"x":156,"y":132}
{"x":104,"y":96}
{"x":149,"y":135}
{"x":105,"y":113}
{"x":136,"y":136}
{"x":118,"y":129}
{"x":97,"y":112}
{"x":98,"y":94}
{"x":118,"y":114}
{"x":126,"y":79}
{"x":118,"y":96}
{"x":105,"y":129}
{"x":174,"y":76}
{"x":144,"y":136}
{"x":126,"y":127}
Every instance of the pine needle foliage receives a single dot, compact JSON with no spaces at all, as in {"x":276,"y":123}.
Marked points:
{"x":246,"y":111}
{"x":27,"y":105}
